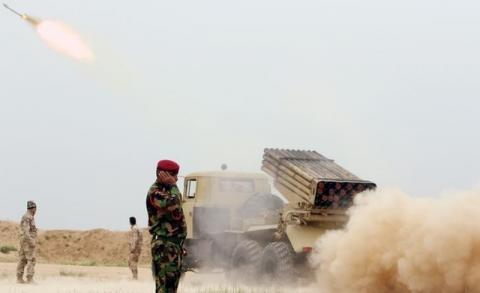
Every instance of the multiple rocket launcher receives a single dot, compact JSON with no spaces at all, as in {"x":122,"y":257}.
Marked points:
{"x":304,"y":177}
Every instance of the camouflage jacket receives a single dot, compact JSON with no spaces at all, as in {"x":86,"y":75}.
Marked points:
{"x":136,"y":239}
{"x":165,"y":213}
{"x":28,"y":230}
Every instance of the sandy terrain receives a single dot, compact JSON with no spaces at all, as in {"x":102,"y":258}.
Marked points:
{"x":95,"y":261}
{"x":66,"y":278}
{"x":76,"y":247}
{"x":93,"y":279}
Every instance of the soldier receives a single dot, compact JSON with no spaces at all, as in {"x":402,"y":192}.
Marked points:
{"x":136,"y":240}
{"x":28,"y":236}
{"x":167,"y":225}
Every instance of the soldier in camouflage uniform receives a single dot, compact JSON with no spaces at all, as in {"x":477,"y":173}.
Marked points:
{"x":28,"y":236}
{"x":136,"y":240}
{"x":167,"y":225}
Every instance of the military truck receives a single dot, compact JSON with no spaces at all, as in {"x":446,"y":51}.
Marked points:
{"x":236,"y":223}
{"x":223,"y":209}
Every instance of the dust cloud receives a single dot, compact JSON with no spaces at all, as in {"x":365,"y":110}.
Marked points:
{"x":397,"y":243}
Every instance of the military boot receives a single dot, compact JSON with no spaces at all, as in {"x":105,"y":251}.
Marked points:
{"x":30,"y":280}
{"x":20,"y":280}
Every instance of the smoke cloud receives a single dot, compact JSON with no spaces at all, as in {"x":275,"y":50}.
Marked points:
{"x":396,"y":243}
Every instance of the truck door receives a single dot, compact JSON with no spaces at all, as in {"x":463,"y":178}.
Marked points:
{"x":189,"y":198}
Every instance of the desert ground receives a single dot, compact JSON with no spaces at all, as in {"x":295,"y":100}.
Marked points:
{"x":96,"y":261}
{"x":69,"y":278}
{"x":56,"y":278}
{"x":96,"y":247}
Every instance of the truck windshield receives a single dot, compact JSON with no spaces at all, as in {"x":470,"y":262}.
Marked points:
{"x":237,"y":185}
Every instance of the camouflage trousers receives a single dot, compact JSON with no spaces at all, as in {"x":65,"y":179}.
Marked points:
{"x":26,"y":259}
{"x":133,"y":262}
{"x":167,"y":256}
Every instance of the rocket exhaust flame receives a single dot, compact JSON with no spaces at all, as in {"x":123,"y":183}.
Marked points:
{"x":63,"y":39}
{"x":58,"y":37}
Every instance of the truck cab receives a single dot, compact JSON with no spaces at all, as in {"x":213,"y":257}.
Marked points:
{"x":211,"y":200}
{"x":221,"y":209}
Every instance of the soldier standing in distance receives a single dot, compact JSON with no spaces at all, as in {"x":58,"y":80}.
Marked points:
{"x":167,"y":225}
{"x":136,"y":240}
{"x":28,"y":236}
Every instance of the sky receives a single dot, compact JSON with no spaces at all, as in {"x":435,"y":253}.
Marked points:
{"x":389,"y":90}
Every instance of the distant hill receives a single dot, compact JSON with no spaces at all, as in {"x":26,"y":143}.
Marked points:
{"x":90,"y":247}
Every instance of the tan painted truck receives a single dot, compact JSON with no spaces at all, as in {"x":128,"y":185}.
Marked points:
{"x":236,"y":223}
{"x":224,"y":210}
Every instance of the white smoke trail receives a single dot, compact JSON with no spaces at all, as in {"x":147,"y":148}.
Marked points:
{"x":396,"y":243}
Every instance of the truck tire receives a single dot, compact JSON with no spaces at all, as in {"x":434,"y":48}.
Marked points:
{"x":260,"y":202}
{"x":245,"y":258}
{"x":276,"y":263}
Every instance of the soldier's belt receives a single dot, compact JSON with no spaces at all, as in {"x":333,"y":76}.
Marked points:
{"x":174,"y":240}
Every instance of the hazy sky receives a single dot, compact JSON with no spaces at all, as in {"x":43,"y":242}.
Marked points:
{"x":388,"y":89}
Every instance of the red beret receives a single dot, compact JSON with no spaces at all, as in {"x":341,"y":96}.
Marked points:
{"x":167,"y":165}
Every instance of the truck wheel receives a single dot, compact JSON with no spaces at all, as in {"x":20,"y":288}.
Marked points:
{"x":276,"y":263}
{"x":245,"y":258}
